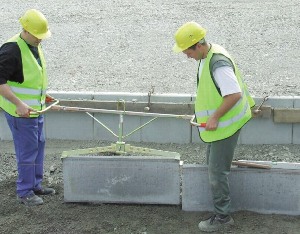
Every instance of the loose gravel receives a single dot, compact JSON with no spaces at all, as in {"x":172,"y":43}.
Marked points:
{"x":126,"y":46}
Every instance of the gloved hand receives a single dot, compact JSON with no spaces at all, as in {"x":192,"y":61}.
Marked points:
{"x":49,"y":98}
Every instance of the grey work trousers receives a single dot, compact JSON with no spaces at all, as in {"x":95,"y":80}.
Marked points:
{"x":219,"y":157}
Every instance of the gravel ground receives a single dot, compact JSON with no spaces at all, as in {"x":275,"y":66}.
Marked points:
{"x":126,"y":46}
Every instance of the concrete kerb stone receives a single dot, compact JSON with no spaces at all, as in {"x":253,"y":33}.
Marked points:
{"x":69,"y":126}
{"x":258,"y":190}
{"x":5,"y":133}
{"x":172,"y":98}
{"x":166,"y":130}
{"x":296,"y":127}
{"x":156,"y":180}
{"x":122,"y":179}
{"x":264,"y":130}
{"x":116,"y":96}
{"x":71,"y":95}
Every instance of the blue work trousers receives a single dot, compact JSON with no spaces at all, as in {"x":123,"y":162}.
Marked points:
{"x":29,"y":142}
{"x":219,"y":158}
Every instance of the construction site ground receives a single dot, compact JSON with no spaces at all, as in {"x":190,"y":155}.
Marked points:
{"x":55,"y":216}
{"x":126,"y":46}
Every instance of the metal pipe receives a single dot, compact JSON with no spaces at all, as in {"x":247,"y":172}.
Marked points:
{"x":102,"y":124}
{"x":92,"y":110}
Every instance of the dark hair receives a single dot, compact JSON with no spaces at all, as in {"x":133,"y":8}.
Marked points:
{"x":202,"y":42}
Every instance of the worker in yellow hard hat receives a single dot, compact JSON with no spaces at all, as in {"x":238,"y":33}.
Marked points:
{"x":23,"y":85}
{"x":222,"y":108}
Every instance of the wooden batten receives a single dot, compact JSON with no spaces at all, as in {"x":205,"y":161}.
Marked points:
{"x":286,"y":115}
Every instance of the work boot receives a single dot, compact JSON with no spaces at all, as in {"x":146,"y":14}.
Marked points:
{"x":215,"y":223}
{"x":31,"y":200}
{"x":44,"y":191}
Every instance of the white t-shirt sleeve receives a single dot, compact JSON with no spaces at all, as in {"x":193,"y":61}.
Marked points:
{"x":226,"y":80}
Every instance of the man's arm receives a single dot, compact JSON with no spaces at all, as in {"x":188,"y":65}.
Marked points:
{"x":23,"y":109}
{"x":228,"y":102}
{"x":230,"y":90}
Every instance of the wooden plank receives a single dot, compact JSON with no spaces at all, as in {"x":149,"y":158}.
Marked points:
{"x":250,"y":164}
{"x":286,"y":115}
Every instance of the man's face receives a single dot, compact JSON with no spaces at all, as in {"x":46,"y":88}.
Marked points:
{"x":196,"y":53}
{"x":32,"y":40}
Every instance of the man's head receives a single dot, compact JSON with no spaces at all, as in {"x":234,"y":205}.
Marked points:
{"x":35,"y":27}
{"x":190,"y":39}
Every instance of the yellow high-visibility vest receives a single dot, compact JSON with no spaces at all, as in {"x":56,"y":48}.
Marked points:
{"x":208,"y":100}
{"x":33,"y":90}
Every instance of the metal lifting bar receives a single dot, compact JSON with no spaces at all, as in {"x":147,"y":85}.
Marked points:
{"x":120,"y":146}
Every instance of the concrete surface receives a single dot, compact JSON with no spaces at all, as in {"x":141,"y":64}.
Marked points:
{"x":275,"y":191}
{"x":121,"y":179}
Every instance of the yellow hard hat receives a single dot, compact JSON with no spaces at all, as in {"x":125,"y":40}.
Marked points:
{"x":187,"y":35}
{"x":35,"y":23}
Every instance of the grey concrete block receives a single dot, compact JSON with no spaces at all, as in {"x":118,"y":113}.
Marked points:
{"x":171,"y":97}
{"x":71,"y":95}
{"x":259,"y":190}
{"x":196,"y":194}
{"x":115,"y":96}
{"x":166,"y":130}
{"x":281,"y":102}
{"x":5,"y":133}
{"x":195,"y":135}
{"x":296,"y":126}
{"x":265,"y":131}
{"x":69,"y":126}
{"x":121,"y":179}
{"x":296,"y":102}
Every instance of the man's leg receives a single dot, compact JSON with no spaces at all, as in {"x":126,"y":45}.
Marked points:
{"x":219,"y":159}
{"x":25,"y":136}
{"x":39,"y":162}
{"x":219,"y":164}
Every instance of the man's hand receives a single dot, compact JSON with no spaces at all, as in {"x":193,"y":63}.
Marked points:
{"x":212,"y":124}
{"x":23,"y":110}
{"x":228,"y":102}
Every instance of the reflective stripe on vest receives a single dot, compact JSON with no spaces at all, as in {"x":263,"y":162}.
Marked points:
{"x":30,"y":102}
{"x":18,"y":90}
{"x":207,"y":113}
{"x":226,"y":123}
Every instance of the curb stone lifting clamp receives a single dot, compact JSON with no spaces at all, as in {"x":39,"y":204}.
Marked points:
{"x":120,"y":147}
{"x":151,"y":91}
{"x":258,"y":109}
